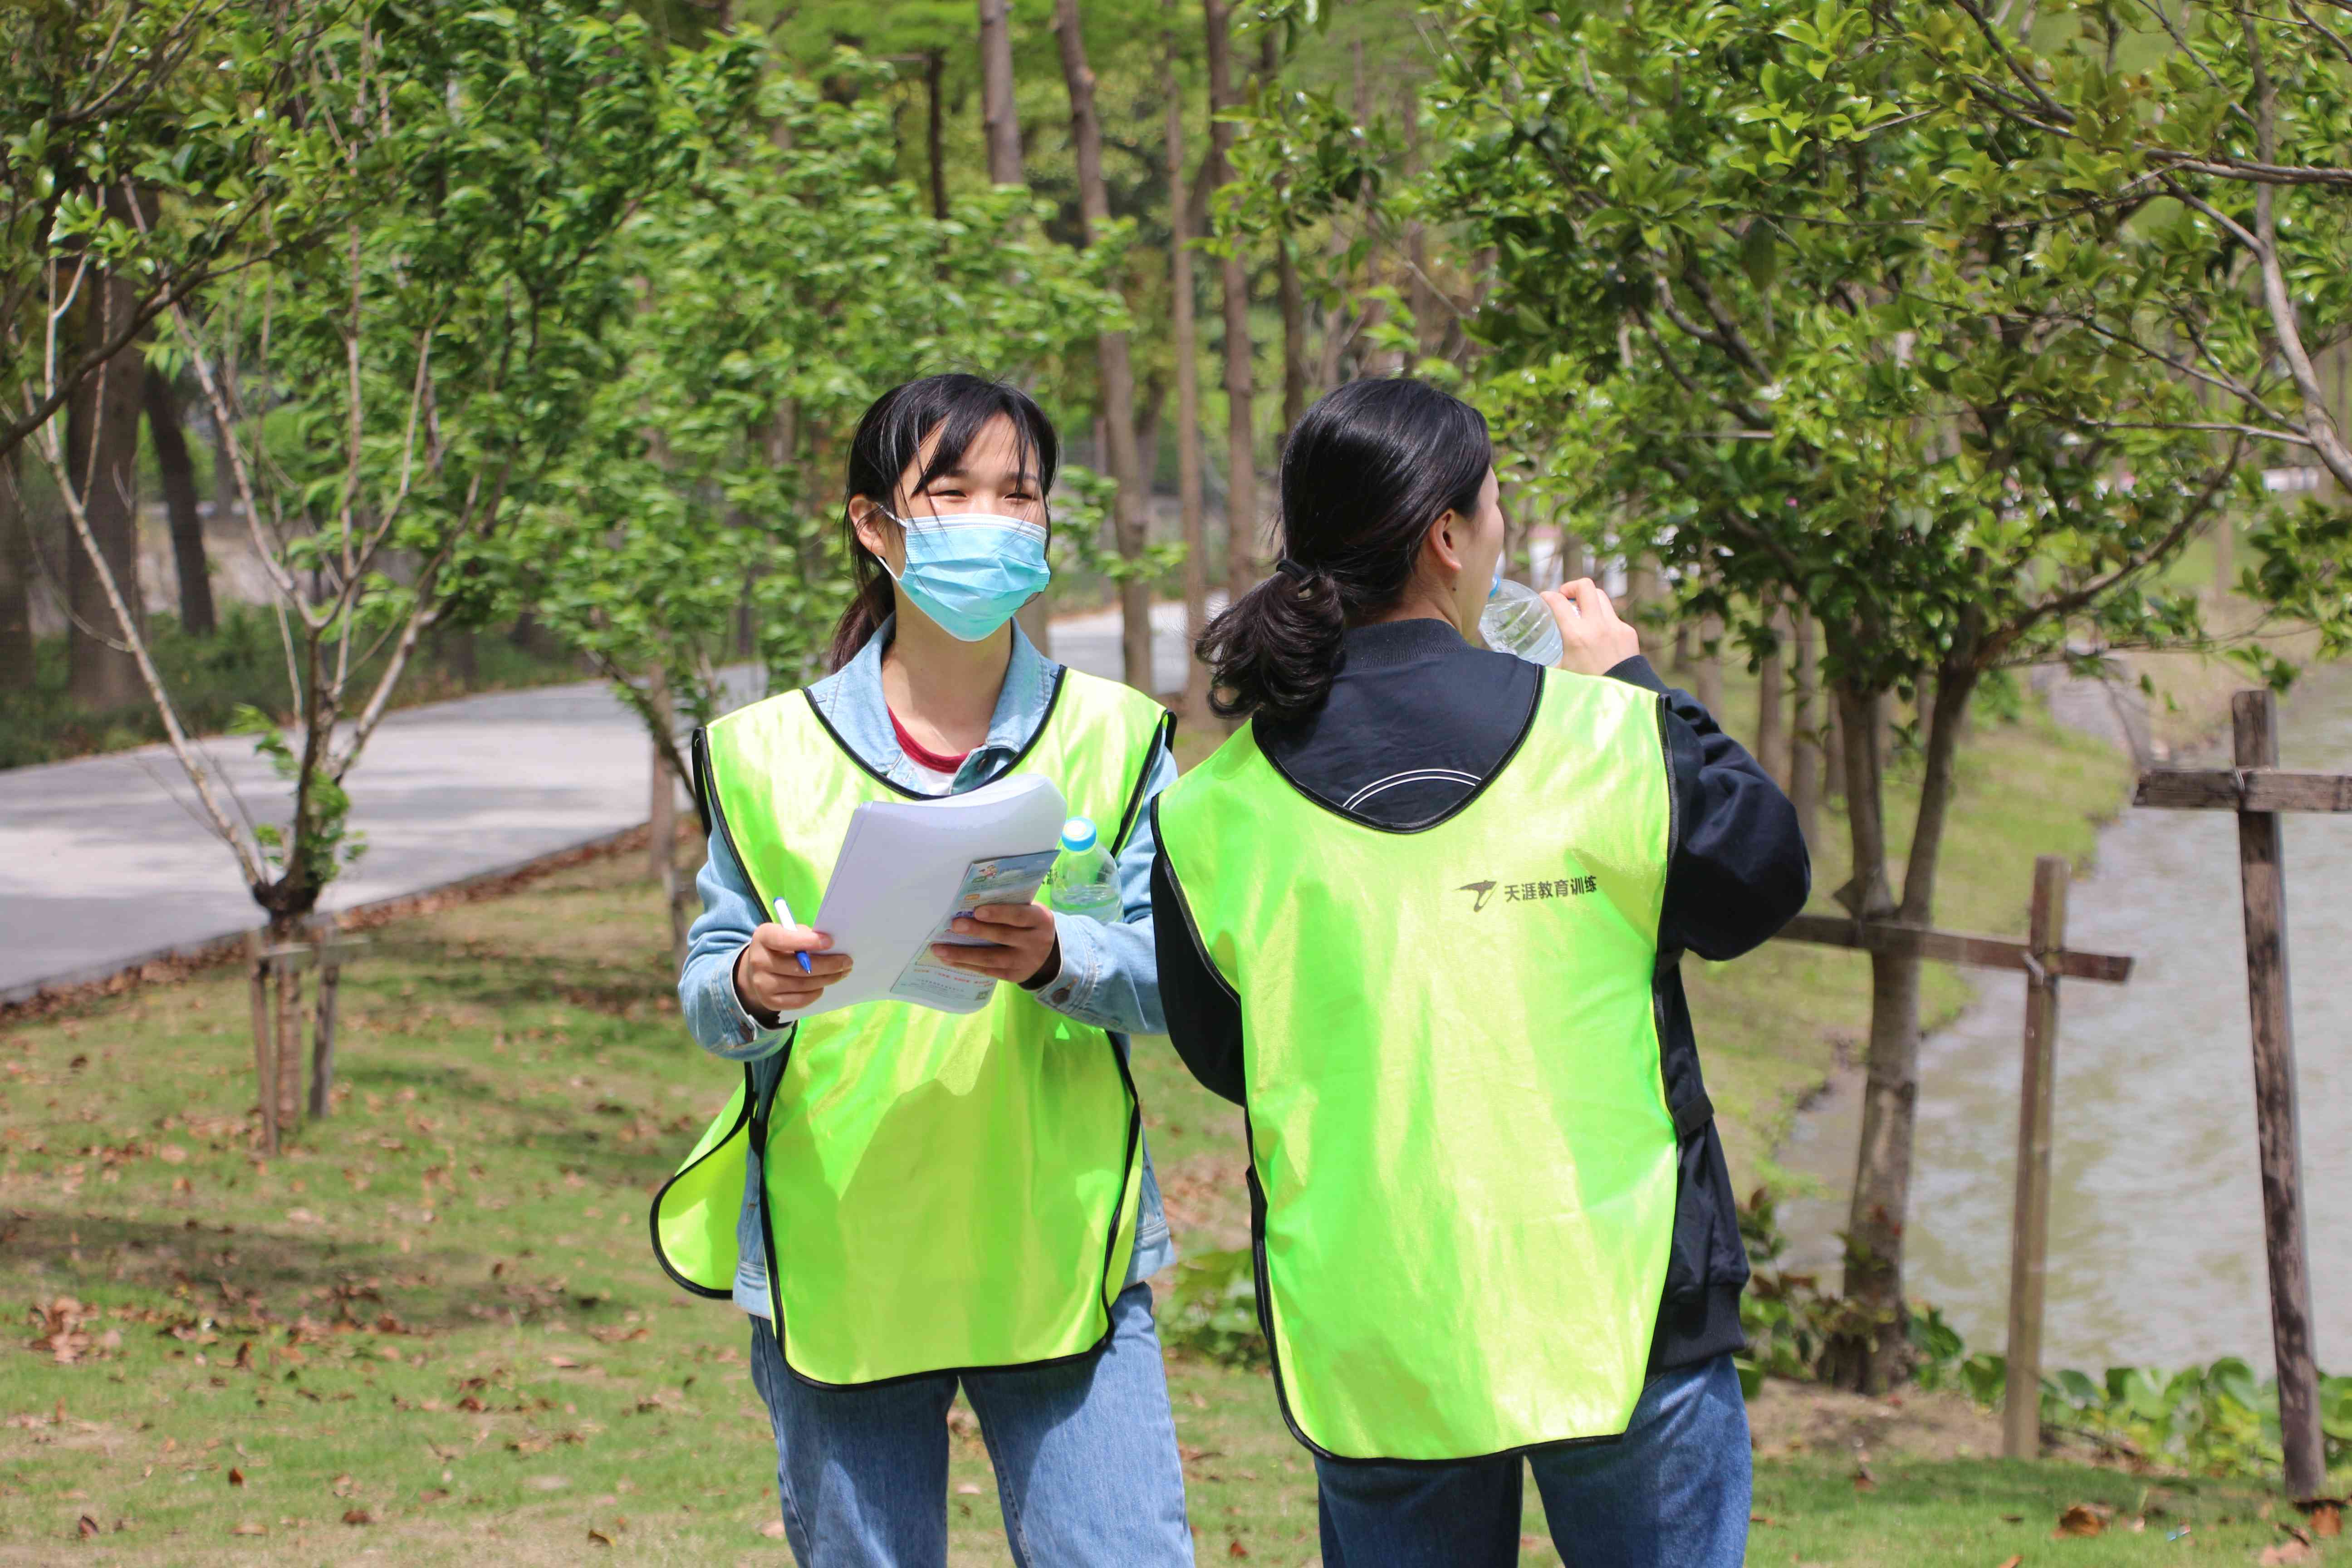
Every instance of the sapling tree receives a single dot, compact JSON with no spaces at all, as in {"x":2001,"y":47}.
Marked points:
{"x":394,"y":389}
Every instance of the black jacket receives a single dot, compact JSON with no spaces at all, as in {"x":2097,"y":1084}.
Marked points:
{"x":1417,"y":719}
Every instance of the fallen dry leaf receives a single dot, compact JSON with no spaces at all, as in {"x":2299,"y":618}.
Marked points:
{"x":86,"y":1528}
{"x":967,"y":1489}
{"x":2082,"y":1519}
{"x":235,"y":1476}
{"x":774,"y":1530}
{"x":250,"y":1527}
{"x":1236,"y":1549}
{"x":357,"y":1516}
{"x":2284,"y":1554}
{"x":2326,"y":1516}
{"x":1863,"y":1482}
{"x":598,"y":1537}
{"x":1532,"y":1543}
{"x":563,"y":1362}
{"x":2015,"y":1558}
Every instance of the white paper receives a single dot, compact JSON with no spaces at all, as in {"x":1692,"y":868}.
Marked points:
{"x":907,"y":868}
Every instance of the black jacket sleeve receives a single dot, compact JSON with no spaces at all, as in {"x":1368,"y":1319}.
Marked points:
{"x":1740,"y":871}
{"x":1205,"y":1020}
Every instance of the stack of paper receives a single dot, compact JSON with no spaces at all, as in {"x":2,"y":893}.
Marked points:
{"x":908,"y":868}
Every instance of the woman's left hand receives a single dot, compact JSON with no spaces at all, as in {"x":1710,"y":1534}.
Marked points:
{"x":1024,"y":935}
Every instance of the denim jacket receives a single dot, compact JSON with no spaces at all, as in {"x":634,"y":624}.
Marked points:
{"x":1109,"y":974}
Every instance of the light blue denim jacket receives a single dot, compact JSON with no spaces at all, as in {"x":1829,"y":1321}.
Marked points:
{"x":1109,"y":976}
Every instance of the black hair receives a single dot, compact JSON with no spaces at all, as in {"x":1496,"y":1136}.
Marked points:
{"x":889,"y":436}
{"x":1365,"y":474}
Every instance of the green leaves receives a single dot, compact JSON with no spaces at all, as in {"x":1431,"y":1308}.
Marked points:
{"x":779,"y":282}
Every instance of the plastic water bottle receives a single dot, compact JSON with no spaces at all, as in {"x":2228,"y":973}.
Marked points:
{"x":1085,"y":878}
{"x":1517,"y":621}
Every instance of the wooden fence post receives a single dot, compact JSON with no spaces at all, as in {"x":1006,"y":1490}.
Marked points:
{"x":265,"y":1037}
{"x":2262,"y":876}
{"x":2020,"y":1420}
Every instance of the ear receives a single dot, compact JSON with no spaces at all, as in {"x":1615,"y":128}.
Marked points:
{"x":873,"y":526}
{"x":1442,"y":546}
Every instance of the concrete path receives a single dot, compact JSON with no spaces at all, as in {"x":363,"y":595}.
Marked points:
{"x":107,"y":861}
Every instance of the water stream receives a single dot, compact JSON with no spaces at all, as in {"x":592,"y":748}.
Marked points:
{"x":2155,"y":1220}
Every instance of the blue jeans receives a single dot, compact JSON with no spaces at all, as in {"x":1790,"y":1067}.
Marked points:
{"x":1084,"y":1453}
{"x":1672,"y":1493}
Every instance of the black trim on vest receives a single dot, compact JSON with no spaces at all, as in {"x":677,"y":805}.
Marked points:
{"x":1191,"y":927}
{"x":1053,"y":700}
{"x":1274,"y":1351}
{"x":1527,"y":728}
{"x":742,"y":1114}
{"x":1163,"y":734}
{"x":697,"y":749}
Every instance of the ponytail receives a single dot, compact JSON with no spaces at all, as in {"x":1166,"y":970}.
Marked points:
{"x":1276,"y":649}
{"x":1365,"y":474}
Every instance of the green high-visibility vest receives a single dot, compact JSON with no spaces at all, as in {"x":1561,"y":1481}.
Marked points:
{"x":1462,"y":1166}
{"x":940,"y":1192}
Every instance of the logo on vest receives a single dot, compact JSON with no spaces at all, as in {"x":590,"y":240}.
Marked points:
{"x":1530,"y":892}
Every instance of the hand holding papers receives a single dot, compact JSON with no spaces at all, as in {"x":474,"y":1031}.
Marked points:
{"x":908,"y":868}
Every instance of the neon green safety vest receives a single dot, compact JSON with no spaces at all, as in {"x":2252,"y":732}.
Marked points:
{"x":1462,"y":1166}
{"x":940,"y":1192}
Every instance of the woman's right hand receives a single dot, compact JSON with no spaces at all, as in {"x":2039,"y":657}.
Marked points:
{"x":767,"y":978}
{"x":1593,"y":641}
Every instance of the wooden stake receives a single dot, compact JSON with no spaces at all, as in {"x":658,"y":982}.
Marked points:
{"x":289,"y":1047}
{"x":2262,"y":874}
{"x":323,"y":1038}
{"x":265,"y":1039}
{"x":2021,"y":1421}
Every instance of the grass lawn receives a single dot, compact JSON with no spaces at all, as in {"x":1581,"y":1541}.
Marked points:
{"x":431,"y":1330}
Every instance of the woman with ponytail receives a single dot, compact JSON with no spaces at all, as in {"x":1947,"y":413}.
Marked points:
{"x":1420,"y":917}
{"x":907,"y":1201}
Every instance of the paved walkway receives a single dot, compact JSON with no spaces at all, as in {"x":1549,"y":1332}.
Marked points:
{"x":107,"y":861}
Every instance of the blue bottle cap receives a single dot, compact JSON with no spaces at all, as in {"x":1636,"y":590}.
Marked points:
{"x":1078,"y":834}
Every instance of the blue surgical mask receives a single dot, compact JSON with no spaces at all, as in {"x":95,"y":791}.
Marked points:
{"x":971,"y":571}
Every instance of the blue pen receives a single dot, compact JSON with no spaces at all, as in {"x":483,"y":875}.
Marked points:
{"x":784,"y":917}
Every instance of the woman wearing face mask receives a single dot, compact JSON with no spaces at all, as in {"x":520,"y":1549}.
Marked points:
{"x":904,"y":1200}
{"x":1420,"y":918}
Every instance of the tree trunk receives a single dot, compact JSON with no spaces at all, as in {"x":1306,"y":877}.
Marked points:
{"x":1130,"y":500}
{"x":1003,"y":122}
{"x":935,"y":66}
{"x":1187,"y":350}
{"x":1804,"y":745}
{"x":226,"y":506}
{"x":1707,"y":679}
{"x":996,"y":94}
{"x":1771,"y":736}
{"x":179,"y":476}
{"x":1641,"y":592}
{"x":102,"y":460}
{"x":17,"y":657}
{"x":1289,"y":290}
{"x":1420,"y":297}
{"x":1875,"y":1354}
{"x":1241,"y":479}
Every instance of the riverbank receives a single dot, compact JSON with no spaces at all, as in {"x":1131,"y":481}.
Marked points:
{"x":2156,"y":1232}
